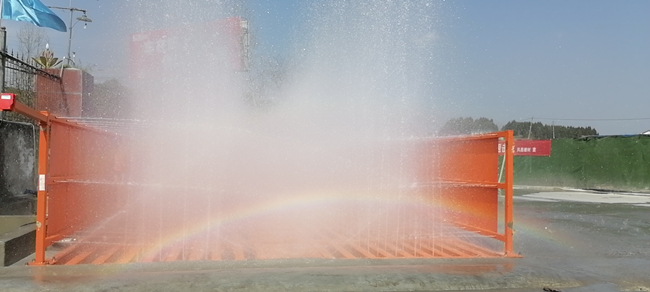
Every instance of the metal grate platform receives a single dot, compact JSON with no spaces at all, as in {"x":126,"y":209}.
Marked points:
{"x":265,"y":238}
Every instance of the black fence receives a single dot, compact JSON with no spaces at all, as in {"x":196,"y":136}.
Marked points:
{"x":19,"y":134}
{"x":20,"y":75}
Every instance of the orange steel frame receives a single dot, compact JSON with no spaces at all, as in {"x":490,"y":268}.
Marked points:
{"x":461,"y":172}
{"x":41,"y":204}
{"x":466,"y":175}
{"x":45,"y":235}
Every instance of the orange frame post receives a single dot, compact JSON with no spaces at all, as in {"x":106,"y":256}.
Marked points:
{"x":41,"y":205}
{"x":43,"y":119}
{"x":508,"y":192}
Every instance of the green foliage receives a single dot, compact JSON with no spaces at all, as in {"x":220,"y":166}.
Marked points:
{"x":543,"y":131}
{"x":468,"y":126}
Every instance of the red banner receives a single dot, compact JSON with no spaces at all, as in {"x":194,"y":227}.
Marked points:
{"x":529,"y":147}
{"x":153,"y":53}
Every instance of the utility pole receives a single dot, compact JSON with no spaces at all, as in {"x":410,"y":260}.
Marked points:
{"x":530,"y":129}
{"x":553,"y":125}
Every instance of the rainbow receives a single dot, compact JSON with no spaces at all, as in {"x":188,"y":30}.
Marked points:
{"x":274,"y":206}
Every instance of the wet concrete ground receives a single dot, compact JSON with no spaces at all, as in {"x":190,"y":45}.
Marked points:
{"x":604,"y":245}
{"x":567,"y":244}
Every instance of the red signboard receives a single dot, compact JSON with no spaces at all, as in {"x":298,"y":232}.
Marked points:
{"x":156,"y":52}
{"x":529,"y":148}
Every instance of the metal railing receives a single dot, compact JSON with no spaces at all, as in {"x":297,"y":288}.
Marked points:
{"x":21,"y":75}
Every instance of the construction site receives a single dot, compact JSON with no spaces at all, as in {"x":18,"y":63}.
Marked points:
{"x":330,"y":182}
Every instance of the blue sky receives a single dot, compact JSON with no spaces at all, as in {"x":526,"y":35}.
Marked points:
{"x":503,"y":60}
{"x":554,"y":59}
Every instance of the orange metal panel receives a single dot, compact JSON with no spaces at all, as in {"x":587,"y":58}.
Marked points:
{"x":173,"y":255}
{"x":382,"y":253}
{"x":215,"y":253}
{"x":469,"y":161}
{"x":474,"y":206}
{"x":324,"y":253}
{"x":456,"y":246}
{"x":398,"y":252}
{"x":481,"y":251}
{"x":68,"y":252}
{"x":127,"y":255}
{"x":81,"y":192}
{"x":81,"y":256}
{"x":360,"y":250}
{"x":197,"y":251}
{"x":342,"y":250}
{"x":238,"y":251}
{"x":106,"y":254}
{"x":149,"y":258}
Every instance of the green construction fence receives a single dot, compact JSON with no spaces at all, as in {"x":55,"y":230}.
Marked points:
{"x":610,"y":162}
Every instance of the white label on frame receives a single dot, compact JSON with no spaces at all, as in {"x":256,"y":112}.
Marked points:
{"x":41,"y":182}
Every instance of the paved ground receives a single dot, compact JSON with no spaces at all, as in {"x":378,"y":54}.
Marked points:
{"x":568,"y":244}
{"x":604,"y":244}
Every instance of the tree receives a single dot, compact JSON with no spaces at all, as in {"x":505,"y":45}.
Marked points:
{"x":31,"y":40}
{"x":110,"y":99}
{"x":468,"y":126}
{"x":20,"y":80}
{"x":485,"y":125}
{"x":543,"y":131}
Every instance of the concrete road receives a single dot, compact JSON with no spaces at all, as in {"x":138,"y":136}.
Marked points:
{"x":568,"y":243}
{"x":601,"y":239}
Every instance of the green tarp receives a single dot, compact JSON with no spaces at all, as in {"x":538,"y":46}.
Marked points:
{"x":612,"y":162}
